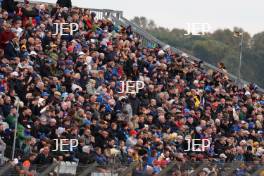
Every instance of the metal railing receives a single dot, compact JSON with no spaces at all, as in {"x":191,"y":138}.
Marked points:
{"x":212,"y":168}
{"x":67,"y":168}
{"x":100,"y":13}
{"x":190,"y":168}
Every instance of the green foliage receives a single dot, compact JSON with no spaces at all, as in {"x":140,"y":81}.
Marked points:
{"x":219,"y":46}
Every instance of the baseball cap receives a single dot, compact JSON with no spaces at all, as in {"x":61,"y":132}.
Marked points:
{"x":44,"y":94}
{"x":69,"y":62}
{"x":64,"y":95}
{"x":81,"y":53}
{"x":198,"y":128}
{"x":222,"y":155}
{"x":67,"y":71}
{"x":86,"y":122}
{"x":32,"y":53}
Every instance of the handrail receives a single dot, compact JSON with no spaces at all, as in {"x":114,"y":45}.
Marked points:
{"x":117,"y":13}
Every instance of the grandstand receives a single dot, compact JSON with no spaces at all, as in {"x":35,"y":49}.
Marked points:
{"x":150,"y":40}
{"x":167,"y":160}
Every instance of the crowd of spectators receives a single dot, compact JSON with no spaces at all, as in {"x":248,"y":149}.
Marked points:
{"x":68,"y":87}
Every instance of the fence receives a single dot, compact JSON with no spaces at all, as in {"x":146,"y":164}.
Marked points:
{"x":213,"y":168}
{"x":66,"y":169}
{"x":174,"y":168}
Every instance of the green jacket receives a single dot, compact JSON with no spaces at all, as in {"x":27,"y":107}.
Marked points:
{"x":11,"y":120}
{"x":20,"y":132}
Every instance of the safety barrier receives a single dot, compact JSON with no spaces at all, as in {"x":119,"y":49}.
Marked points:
{"x":66,"y":168}
{"x":213,"y":168}
{"x":189,"y":168}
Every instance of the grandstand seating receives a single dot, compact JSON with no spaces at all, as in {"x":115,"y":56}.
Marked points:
{"x":74,"y":168}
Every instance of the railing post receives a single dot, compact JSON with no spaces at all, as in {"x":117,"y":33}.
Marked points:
{"x":49,"y":169}
{"x":2,"y":151}
{"x":119,"y":15}
{"x":88,"y":170}
{"x":58,"y":171}
{"x":129,"y":169}
{"x":104,"y":14}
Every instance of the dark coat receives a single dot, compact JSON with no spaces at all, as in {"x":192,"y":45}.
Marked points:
{"x":30,"y":13}
{"x":85,"y":158}
{"x":135,"y":103}
{"x":100,"y":141}
{"x":65,"y":3}
{"x":8,"y":5}
{"x":42,"y":159}
{"x":128,"y":67}
{"x":10,"y":50}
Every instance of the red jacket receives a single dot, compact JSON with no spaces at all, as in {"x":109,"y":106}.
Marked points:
{"x":5,"y":36}
{"x":89,"y":24}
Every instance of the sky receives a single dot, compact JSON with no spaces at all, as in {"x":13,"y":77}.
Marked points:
{"x":247,"y":14}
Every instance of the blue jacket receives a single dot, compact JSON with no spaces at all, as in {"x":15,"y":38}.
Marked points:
{"x":101,"y":159}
